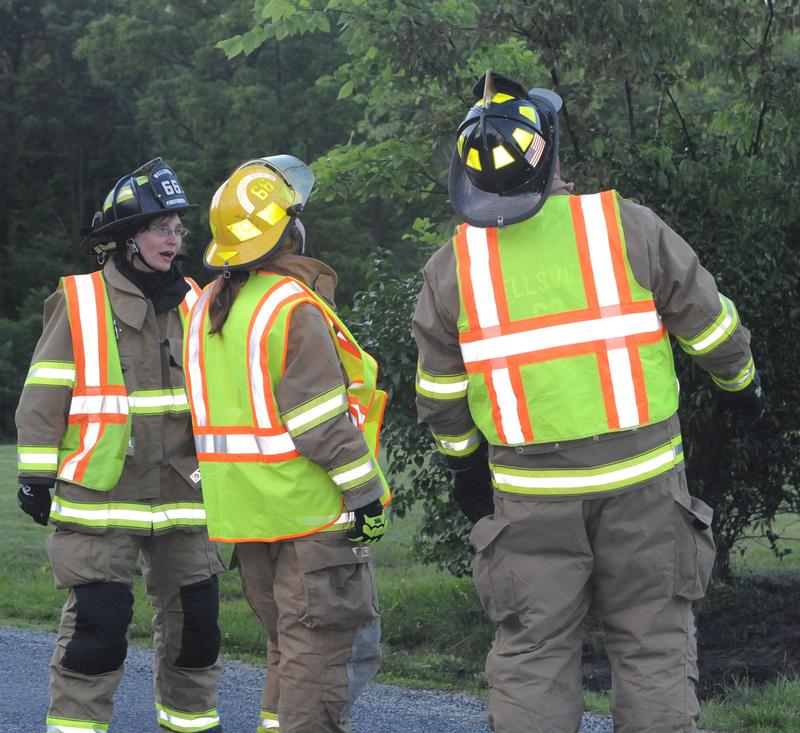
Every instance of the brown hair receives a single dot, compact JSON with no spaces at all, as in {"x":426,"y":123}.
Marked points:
{"x":225,"y":291}
{"x":227,"y":288}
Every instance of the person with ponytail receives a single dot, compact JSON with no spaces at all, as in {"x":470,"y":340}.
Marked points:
{"x":104,"y":421}
{"x":286,"y":415}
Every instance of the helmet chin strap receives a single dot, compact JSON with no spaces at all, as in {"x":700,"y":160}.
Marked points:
{"x":300,"y":247}
{"x":133,"y":248}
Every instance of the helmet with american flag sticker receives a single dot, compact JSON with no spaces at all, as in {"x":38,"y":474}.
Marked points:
{"x":506,"y":153}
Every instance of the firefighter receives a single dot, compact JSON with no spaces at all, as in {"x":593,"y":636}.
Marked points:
{"x":286,"y":417}
{"x":104,"y":419}
{"x":546,"y":376}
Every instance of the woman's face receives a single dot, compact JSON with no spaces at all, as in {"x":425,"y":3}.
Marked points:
{"x":159,"y":244}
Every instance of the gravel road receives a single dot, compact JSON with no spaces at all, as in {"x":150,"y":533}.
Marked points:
{"x":24,"y":656}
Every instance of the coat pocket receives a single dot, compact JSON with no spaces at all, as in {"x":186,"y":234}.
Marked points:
{"x":694,"y":547}
{"x":339,"y":581}
{"x":491,"y":568}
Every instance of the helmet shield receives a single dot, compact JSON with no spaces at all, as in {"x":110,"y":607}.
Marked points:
{"x":150,"y":191}
{"x":506,"y":154}
{"x":253,"y":211}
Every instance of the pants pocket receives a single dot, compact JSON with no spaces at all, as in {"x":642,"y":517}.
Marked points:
{"x":339,"y":581}
{"x":695,"y":550}
{"x":491,"y":568}
{"x":79,"y":559}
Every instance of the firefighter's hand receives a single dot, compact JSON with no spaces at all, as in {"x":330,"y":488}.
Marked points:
{"x":33,"y":498}
{"x":370,"y":523}
{"x":750,"y":404}
{"x":472,"y":484}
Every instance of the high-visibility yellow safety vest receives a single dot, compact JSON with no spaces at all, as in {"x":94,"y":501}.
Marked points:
{"x":256,"y":485}
{"x":558,"y":339}
{"x":94,"y":444}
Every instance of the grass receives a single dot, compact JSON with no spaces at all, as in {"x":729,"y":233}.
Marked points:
{"x":434,"y":631}
{"x":773,"y":708}
{"x":754,"y":555}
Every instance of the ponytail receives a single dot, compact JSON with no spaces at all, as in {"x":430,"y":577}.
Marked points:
{"x":225,"y":291}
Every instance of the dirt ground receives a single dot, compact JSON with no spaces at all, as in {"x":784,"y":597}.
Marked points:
{"x":749,"y":630}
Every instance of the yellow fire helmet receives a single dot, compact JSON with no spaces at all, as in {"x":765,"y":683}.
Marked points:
{"x":253,"y":211}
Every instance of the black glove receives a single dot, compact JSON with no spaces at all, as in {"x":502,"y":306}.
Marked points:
{"x":33,"y":498}
{"x":748,"y":403}
{"x":370,"y":523}
{"x":472,"y":484}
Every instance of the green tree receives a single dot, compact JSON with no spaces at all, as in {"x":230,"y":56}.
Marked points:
{"x":206,"y":116}
{"x":686,"y":106}
{"x":90,"y":90}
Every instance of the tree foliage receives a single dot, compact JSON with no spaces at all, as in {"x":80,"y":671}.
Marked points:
{"x":90,"y":90}
{"x":688,"y":107}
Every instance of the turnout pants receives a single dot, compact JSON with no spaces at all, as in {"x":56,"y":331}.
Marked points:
{"x":641,"y":557}
{"x":179,"y":571}
{"x":317,"y":601}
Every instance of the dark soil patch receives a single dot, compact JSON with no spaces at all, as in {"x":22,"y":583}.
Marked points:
{"x":747,"y":630}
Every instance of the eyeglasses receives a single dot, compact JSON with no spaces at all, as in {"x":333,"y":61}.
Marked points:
{"x":164,"y":232}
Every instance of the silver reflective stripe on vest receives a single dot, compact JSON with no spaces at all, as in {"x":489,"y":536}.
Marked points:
{"x":192,"y":295}
{"x":99,"y":404}
{"x":244,"y":443}
{"x":88,"y":441}
{"x":195,"y":341}
{"x":345,"y":517}
{"x":568,"y":334}
{"x":257,"y":369}
{"x":87,"y":308}
{"x":486,"y":306}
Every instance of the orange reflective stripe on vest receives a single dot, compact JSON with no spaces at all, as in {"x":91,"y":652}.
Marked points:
{"x":190,"y":299}
{"x":487,"y":313}
{"x":97,"y":400}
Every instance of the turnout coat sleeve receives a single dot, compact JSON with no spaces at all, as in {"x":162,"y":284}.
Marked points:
{"x":41,"y":415}
{"x":313,"y":371}
{"x":441,"y":375}
{"x":704,"y":321}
